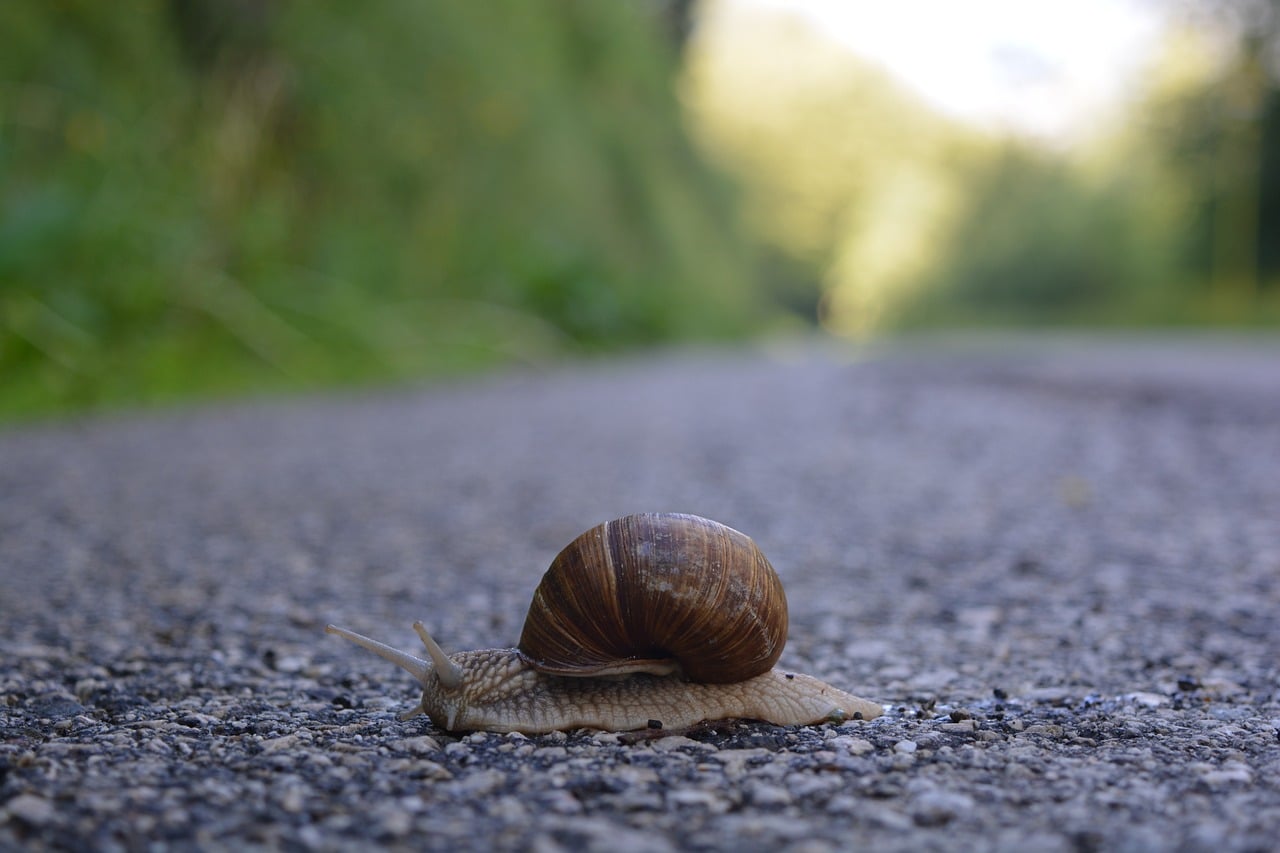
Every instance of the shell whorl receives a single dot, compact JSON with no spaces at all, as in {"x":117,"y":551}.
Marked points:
{"x":647,"y":591}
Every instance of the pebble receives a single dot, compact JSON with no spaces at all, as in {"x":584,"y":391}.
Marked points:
{"x":480,"y":783}
{"x":293,"y":800}
{"x":421,"y":745}
{"x":552,"y":753}
{"x":1051,"y":695}
{"x":766,"y":795}
{"x":285,"y":742}
{"x":1147,"y":700}
{"x":736,"y":761}
{"x":962,"y":727}
{"x":560,"y":802}
{"x":937,"y":808}
{"x":30,"y":809}
{"x":391,"y":822}
{"x":697,"y":797}
{"x":429,"y":770}
{"x":933,"y":681}
{"x":853,"y":745}
{"x":639,"y":799}
{"x":844,"y":805}
{"x":671,"y":743}
{"x":1230,"y":773}
{"x":802,"y":786}
{"x":508,"y":809}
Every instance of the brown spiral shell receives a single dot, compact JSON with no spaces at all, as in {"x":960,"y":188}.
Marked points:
{"x":642,"y":591}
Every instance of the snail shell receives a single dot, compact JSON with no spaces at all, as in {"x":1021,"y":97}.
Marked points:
{"x":658,"y":592}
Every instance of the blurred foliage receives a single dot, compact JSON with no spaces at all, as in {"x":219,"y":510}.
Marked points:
{"x":227,"y":196}
{"x":1171,"y":219}
{"x":907,"y":220}
{"x":1038,"y":244}
{"x":220,"y":196}
{"x":843,"y":172}
{"x":1218,"y":138}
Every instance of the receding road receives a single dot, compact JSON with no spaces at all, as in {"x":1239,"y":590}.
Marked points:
{"x":1056,"y":562}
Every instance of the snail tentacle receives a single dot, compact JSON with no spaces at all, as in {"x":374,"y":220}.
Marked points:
{"x":449,"y":673}
{"x":417,"y":667}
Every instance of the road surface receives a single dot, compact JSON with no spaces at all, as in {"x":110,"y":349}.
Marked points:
{"x":1055,"y":562}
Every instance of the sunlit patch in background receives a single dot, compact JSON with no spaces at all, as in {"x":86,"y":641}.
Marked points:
{"x":991,"y":161}
{"x":1046,"y":69}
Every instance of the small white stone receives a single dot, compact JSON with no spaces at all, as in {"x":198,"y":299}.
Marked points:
{"x":393,"y":821}
{"x":1147,"y":700}
{"x":962,"y":727}
{"x":884,"y":816}
{"x":431,"y":770}
{"x":1050,"y":695}
{"x":293,"y":800}
{"x":562,"y":802}
{"x":935,"y":808}
{"x":735,"y":760}
{"x":905,"y":747}
{"x":854,"y":745}
{"x":697,"y":797}
{"x":1230,"y":773}
{"x":31,"y":809}
{"x":276,"y":744}
{"x":423,"y":745}
{"x":935,"y":679}
{"x":480,"y":783}
{"x":806,"y":785}
{"x":766,"y":795}
{"x":843,"y":804}
{"x":290,"y":664}
{"x":508,"y":810}
{"x":674,"y":742}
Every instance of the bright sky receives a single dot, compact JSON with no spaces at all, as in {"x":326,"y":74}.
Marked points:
{"x":1048,"y":69}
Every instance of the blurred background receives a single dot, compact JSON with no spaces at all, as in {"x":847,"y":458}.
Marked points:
{"x":210,"y":198}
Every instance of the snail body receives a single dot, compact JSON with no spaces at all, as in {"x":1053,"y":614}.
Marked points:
{"x":651,"y":619}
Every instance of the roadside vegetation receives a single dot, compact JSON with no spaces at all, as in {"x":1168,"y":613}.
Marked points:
{"x":205,"y":199}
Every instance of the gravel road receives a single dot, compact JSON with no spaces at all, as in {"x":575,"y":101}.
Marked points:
{"x":1056,"y":563}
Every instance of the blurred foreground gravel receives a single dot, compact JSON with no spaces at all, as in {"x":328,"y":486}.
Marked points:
{"x":1056,"y":564}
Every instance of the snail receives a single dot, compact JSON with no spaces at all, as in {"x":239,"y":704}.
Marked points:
{"x":654,"y":620}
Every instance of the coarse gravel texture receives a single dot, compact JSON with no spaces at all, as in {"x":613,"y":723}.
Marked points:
{"x":1056,"y":563}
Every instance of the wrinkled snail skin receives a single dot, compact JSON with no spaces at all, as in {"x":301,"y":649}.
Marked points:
{"x":502,"y":693}
{"x":651,"y":617}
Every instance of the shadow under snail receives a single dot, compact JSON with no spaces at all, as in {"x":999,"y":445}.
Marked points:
{"x":647,"y":621}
